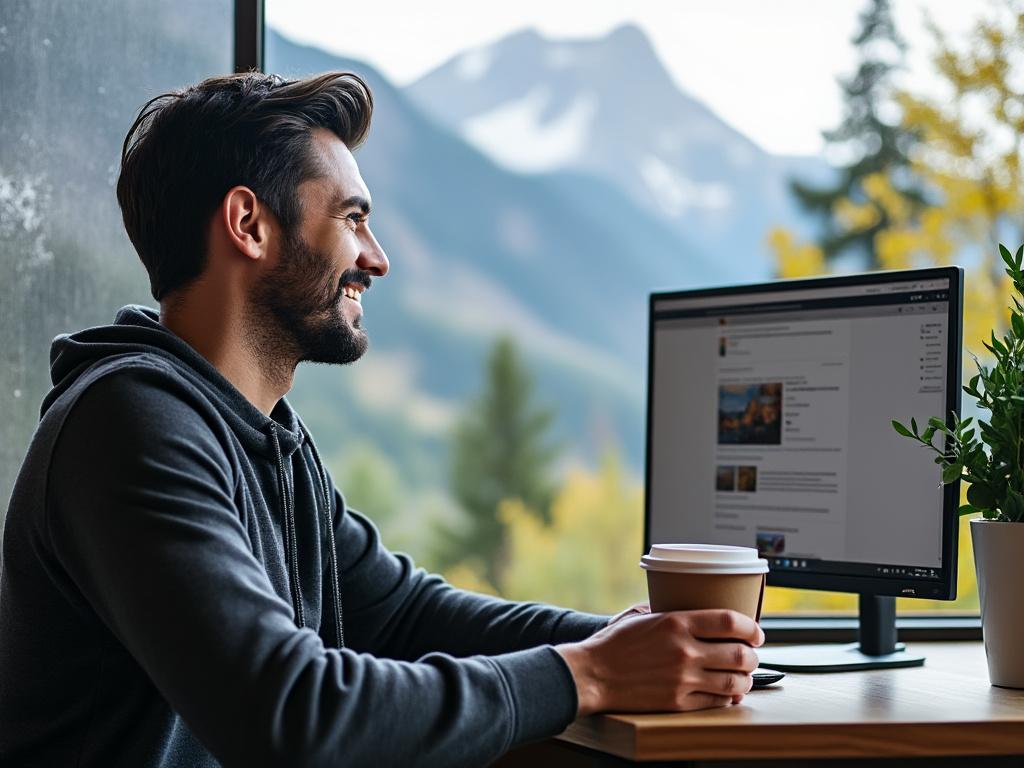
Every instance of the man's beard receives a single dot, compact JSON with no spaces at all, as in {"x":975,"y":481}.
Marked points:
{"x":297,"y":310}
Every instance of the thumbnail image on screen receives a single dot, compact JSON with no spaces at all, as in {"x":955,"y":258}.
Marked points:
{"x":770,"y":544}
{"x":750,"y":414}
{"x":746,"y":479}
{"x":725,"y":478}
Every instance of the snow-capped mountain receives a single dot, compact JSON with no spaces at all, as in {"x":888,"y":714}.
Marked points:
{"x":476,"y":250}
{"x":607,"y":107}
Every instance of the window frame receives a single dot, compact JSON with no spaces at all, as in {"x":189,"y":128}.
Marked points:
{"x":836,"y":629}
{"x":249,"y":35}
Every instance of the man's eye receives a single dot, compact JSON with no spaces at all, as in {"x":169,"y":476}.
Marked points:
{"x":356,"y":219}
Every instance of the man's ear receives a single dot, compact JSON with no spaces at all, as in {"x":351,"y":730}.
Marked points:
{"x":246,"y":221}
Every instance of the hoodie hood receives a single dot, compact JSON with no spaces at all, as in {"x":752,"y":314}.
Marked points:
{"x":136,"y":330}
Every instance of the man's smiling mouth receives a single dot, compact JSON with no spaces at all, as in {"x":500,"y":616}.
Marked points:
{"x":354,"y":292}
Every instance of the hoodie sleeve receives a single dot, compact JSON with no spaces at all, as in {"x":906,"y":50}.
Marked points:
{"x":393,"y":609}
{"x":143,"y":522}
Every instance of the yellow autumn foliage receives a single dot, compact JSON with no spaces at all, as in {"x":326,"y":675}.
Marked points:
{"x":588,"y":556}
{"x":795,"y":259}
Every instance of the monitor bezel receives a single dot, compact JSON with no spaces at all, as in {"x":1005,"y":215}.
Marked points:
{"x":951,"y":493}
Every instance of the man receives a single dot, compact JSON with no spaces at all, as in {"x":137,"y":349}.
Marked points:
{"x":183,"y":584}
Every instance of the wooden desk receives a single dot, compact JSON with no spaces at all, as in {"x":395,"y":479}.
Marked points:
{"x":945,"y":708}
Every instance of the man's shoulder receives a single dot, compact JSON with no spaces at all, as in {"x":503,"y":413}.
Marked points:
{"x":133,"y":398}
{"x":117,"y":420}
{"x":124,"y":381}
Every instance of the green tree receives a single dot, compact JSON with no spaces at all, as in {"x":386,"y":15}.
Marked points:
{"x":501,"y":450}
{"x":872,"y":143}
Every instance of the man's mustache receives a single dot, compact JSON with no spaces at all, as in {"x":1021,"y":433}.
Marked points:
{"x":356,"y":277}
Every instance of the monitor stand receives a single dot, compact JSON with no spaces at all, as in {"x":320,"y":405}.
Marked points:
{"x":877,"y":648}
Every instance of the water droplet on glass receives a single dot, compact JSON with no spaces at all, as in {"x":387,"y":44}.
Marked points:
{"x":17,"y":393}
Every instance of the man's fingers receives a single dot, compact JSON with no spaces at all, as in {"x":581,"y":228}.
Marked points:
{"x":724,"y":683}
{"x":724,"y":625}
{"x":705,"y":701}
{"x":729,"y":657}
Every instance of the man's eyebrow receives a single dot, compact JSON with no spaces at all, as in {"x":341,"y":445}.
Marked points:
{"x":339,"y":204}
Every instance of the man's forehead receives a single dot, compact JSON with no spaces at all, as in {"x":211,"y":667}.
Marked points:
{"x":341,"y":185}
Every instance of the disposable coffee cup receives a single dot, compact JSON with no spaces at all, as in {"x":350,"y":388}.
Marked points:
{"x":689,"y":577}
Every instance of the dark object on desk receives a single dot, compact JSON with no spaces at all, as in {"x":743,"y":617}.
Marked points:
{"x":763,"y":677}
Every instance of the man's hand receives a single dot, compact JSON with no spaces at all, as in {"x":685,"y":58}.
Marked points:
{"x":675,"y":661}
{"x":640,"y":609}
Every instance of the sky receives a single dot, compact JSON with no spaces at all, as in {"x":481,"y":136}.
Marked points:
{"x":767,"y":67}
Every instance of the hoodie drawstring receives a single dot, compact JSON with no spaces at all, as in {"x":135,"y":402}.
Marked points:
{"x":291,"y":560}
{"x":329,"y":522}
{"x":291,"y":543}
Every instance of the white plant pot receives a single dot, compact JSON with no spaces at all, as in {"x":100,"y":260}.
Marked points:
{"x":999,"y":562}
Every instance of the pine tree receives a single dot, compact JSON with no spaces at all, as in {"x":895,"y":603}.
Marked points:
{"x":500,"y":451}
{"x":875,"y":145}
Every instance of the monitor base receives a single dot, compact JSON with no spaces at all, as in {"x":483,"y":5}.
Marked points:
{"x":833,"y":658}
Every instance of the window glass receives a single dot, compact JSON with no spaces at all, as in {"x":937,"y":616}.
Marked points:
{"x":72,"y":78}
{"x":536,"y":173}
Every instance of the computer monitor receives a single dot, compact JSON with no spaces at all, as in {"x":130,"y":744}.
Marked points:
{"x":769,"y":426}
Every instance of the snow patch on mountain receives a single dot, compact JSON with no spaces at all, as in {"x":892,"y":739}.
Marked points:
{"x":560,"y":57}
{"x":516,"y":135}
{"x":676,"y":194}
{"x":473,"y":65}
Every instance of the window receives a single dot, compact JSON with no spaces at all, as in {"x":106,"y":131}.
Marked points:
{"x":535,"y":175}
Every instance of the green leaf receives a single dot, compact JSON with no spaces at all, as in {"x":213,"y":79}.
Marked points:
{"x":1019,"y":259}
{"x":951,"y":472}
{"x":1018,"y":324}
{"x":928,"y":434}
{"x":968,"y":509}
{"x":1014,"y":508}
{"x":913,"y":425}
{"x":981,"y":496}
{"x":1005,"y":253}
{"x":901,"y":429}
{"x":998,"y":344}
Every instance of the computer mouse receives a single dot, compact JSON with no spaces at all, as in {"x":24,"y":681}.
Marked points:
{"x":763,"y":677}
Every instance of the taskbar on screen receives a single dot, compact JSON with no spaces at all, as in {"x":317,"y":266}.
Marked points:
{"x":783,"y":563}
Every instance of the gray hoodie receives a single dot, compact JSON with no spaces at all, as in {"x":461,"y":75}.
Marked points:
{"x":183,"y":585}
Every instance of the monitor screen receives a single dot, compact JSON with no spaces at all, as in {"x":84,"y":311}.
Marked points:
{"x":769,"y":426}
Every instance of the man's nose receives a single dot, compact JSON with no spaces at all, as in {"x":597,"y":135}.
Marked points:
{"x":372,"y":257}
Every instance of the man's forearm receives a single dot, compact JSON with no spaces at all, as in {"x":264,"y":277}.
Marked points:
{"x":395,"y":610}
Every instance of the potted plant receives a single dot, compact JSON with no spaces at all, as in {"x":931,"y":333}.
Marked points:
{"x":991,"y":458}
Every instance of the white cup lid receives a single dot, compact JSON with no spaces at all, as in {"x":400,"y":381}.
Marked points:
{"x":703,"y":558}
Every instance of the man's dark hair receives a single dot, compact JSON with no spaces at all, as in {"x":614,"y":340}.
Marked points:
{"x":187,"y":148}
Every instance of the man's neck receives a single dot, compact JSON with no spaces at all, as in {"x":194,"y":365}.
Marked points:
{"x":218,"y":331}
